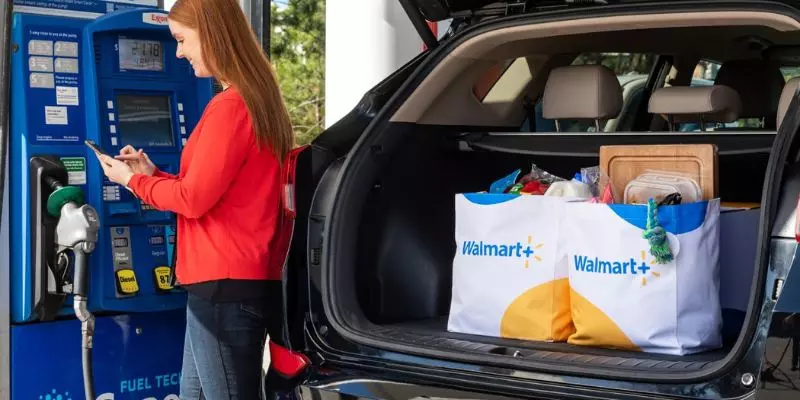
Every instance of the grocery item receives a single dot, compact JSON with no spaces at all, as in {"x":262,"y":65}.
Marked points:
{"x":534,"y":188}
{"x":572,"y":189}
{"x":625,"y":163}
{"x":502,"y":184}
{"x":592,"y":177}
{"x":538,"y":174}
{"x":658,"y":184}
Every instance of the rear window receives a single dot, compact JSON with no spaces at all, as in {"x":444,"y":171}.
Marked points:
{"x":503,"y":81}
{"x":488,"y":79}
{"x":706,"y":70}
{"x":705,"y":73}
{"x":623,"y":64}
{"x":632,"y":69}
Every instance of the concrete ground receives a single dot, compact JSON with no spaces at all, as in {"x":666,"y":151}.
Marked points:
{"x":779,"y":379}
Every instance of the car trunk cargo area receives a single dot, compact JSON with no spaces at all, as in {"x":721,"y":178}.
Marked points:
{"x":392,"y":282}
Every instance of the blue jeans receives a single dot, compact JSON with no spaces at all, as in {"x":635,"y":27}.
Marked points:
{"x":223,"y":350}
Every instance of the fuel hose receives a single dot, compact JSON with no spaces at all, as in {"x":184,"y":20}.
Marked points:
{"x":87,"y":320}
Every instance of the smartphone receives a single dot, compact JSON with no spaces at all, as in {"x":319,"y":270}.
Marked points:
{"x":94,"y":146}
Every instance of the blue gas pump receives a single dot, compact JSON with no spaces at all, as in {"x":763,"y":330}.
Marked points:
{"x":90,"y":264}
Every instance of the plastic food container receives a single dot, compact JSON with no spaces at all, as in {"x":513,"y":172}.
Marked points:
{"x":658,"y":184}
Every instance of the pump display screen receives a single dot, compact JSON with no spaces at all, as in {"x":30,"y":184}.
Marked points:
{"x":140,"y":55}
{"x":144,"y":121}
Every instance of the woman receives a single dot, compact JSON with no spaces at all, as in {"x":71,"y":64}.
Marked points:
{"x":226,"y":197}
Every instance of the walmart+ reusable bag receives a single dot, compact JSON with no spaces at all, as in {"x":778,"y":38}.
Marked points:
{"x":628,"y":292}
{"x":509,"y":277}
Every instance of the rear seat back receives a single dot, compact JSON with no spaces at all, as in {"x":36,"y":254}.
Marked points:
{"x":788,"y":92}
{"x":581,"y":92}
{"x":759,"y":84}
{"x":680,"y":104}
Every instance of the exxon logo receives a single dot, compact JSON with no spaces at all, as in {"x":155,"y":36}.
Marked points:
{"x":154,"y":18}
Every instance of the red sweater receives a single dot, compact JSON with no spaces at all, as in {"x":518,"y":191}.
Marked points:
{"x":226,"y":196}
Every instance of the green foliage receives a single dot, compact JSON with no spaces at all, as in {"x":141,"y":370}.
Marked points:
{"x":790,"y":72}
{"x":297,"y":49}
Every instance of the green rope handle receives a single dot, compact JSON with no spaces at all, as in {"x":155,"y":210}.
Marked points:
{"x":656,"y":235}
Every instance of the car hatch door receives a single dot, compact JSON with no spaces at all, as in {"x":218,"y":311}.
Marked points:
{"x":421,"y":12}
{"x":777,"y":284}
{"x":303,"y":170}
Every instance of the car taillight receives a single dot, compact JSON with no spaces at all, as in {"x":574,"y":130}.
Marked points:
{"x":286,"y":362}
{"x":289,"y":172}
{"x":797,"y":221}
{"x":288,"y":198}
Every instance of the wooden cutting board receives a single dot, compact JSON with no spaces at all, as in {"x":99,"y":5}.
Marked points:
{"x":624,"y":163}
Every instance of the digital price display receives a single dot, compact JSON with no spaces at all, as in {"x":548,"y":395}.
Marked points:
{"x":156,"y":240}
{"x":140,"y":55}
{"x":120,"y":242}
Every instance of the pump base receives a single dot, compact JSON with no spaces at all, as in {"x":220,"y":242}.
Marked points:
{"x":136,"y":355}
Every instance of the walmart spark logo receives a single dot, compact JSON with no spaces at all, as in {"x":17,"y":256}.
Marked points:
{"x":639,"y":268}
{"x":53,"y":395}
{"x":526,"y":251}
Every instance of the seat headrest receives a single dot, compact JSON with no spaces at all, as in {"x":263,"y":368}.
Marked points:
{"x":691,"y":104}
{"x":758,"y":82}
{"x":582,"y":92}
{"x":788,"y":92}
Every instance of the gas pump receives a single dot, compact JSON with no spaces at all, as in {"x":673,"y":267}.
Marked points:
{"x":89,"y":262}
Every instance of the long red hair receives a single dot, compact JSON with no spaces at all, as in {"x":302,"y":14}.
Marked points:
{"x":233,"y":55}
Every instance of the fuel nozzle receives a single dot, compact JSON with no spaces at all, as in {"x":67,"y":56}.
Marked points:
{"x":76,"y":230}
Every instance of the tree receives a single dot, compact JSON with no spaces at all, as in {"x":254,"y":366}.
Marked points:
{"x":297,"y":49}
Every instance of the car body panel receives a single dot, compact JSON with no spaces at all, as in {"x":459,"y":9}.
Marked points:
{"x":437,"y":10}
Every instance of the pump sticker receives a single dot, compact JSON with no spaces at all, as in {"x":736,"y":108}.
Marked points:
{"x":40,"y":47}
{"x":40,"y":64}
{"x":55,"y":115}
{"x":39,"y":80}
{"x":76,"y":170}
{"x":66,"y":65}
{"x":66,"y":96}
{"x":65,"y":49}
{"x":126,"y":282}
{"x":162,"y":276}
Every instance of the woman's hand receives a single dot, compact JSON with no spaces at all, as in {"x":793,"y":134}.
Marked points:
{"x":116,"y":171}
{"x":137,"y":159}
